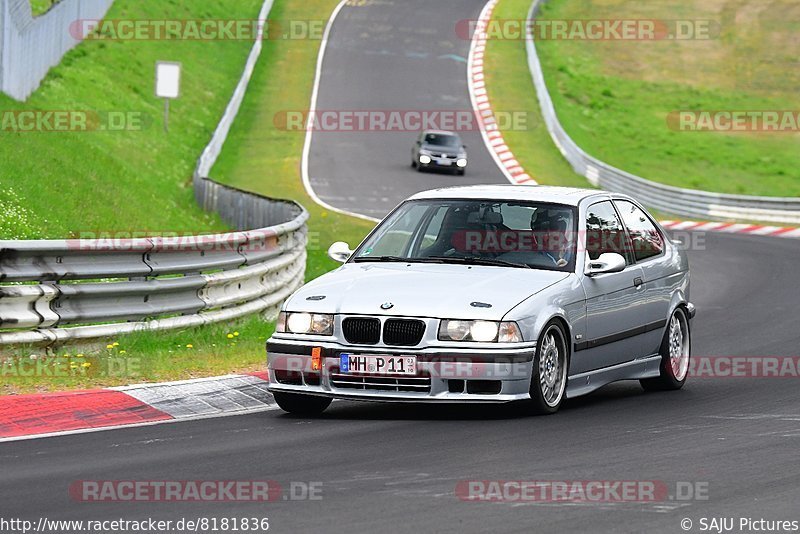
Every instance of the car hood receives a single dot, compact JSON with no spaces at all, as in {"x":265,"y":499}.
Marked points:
{"x":442,"y":148}
{"x":422,"y":290}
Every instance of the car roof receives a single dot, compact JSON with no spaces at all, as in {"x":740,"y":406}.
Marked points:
{"x":570,"y":196}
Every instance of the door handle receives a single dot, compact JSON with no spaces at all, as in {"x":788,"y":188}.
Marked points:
{"x":637,"y":282}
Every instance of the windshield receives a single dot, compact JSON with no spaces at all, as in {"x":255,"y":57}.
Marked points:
{"x":451,"y":141}
{"x":480,"y":232}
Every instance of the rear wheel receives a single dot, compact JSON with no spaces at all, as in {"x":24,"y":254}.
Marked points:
{"x":301,"y":404}
{"x":549,"y":376}
{"x":676,"y":349}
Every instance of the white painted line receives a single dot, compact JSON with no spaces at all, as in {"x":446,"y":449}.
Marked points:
{"x":309,"y":130}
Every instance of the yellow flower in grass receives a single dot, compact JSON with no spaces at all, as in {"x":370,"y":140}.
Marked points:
{"x":86,"y":364}
{"x":116,"y":344}
{"x":189,"y":346}
{"x":109,"y":347}
{"x":123,"y":352}
{"x":230,"y":336}
{"x":236,"y":333}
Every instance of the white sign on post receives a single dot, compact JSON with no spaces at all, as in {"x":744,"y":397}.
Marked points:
{"x":168,"y":85}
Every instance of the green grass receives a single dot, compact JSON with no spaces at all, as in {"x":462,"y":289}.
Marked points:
{"x":509,"y":87}
{"x":263,"y":158}
{"x":137,"y":179}
{"x":55,"y":185}
{"x":143,"y":357}
{"x":613,"y":97}
{"x":40,"y":7}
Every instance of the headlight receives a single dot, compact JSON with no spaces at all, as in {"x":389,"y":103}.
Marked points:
{"x":305,"y":323}
{"x":481,"y":331}
{"x":424,"y":159}
{"x":462,"y":162}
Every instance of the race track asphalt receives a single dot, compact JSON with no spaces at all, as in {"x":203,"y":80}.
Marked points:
{"x":395,"y":468}
{"x":392,"y":56}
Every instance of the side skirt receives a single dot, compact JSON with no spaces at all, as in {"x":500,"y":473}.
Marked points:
{"x":587,"y":382}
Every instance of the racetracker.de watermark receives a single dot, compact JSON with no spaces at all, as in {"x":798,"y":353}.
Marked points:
{"x":744,"y":367}
{"x":194,"y":491}
{"x":41,"y":120}
{"x":581,"y":491}
{"x":401,"y":120}
{"x":754,"y":121}
{"x":590,"y":29}
{"x":196,"y":29}
{"x":69,"y":366}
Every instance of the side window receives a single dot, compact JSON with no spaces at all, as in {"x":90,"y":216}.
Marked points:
{"x":604,"y":232}
{"x":647,"y":241}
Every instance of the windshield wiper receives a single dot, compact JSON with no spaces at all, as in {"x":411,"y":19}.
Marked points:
{"x":480,"y":261}
{"x":397,"y":259}
{"x":445,"y":259}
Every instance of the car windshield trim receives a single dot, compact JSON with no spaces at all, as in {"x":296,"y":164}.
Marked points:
{"x":444,"y":259}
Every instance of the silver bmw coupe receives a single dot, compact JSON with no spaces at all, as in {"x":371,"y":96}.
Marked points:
{"x":490,"y":294}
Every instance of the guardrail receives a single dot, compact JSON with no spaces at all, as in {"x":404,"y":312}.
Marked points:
{"x":685,"y":202}
{"x":156,"y":283}
{"x":58,"y":291}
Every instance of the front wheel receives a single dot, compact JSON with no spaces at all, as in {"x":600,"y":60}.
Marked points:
{"x":550,"y":366}
{"x":299,"y":404}
{"x":676,"y":349}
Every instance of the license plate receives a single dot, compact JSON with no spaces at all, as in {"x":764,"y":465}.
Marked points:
{"x":377,"y":365}
{"x":444,"y":162}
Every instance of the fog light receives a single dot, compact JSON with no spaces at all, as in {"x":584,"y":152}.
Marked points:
{"x":462,"y":162}
{"x":424,"y":159}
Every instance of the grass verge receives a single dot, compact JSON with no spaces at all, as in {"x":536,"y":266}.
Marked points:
{"x":144,"y":357}
{"x":60,"y":184}
{"x":131,"y":176}
{"x":510,"y":89}
{"x":263,"y":158}
{"x":614,"y":97}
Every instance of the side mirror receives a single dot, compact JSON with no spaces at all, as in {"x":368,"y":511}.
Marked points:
{"x":340,"y":251}
{"x":419,"y":143}
{"x":610,"y":262}
{"x":463,"y":147}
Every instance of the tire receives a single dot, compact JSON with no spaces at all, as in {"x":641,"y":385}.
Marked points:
{"x":550,"y":369}
{"x":414,"y":164}
{"x":420,"y":168}
{"x":676,"y":351}
{"x":299,"y":404}
{"x":461,"y":172}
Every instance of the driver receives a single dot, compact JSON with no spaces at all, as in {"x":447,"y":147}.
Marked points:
{"x":551,"y":230}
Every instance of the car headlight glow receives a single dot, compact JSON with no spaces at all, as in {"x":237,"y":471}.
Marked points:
{"x":424,"y":159}
{"x":462,"y":162}
{"x":479,"y":331}
{"x":320,"y":324}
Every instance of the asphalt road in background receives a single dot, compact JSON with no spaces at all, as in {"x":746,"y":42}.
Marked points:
{"x":394,"y":468}
{"x":392,"y":55}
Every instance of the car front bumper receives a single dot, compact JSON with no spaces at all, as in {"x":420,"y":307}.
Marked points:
{"x":443,"y":374}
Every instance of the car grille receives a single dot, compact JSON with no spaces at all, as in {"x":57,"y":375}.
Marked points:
{"x":362,"y":330}
{"x":418,"y":384}
{"x":447,"y":156}
{"x":403,"y":332}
